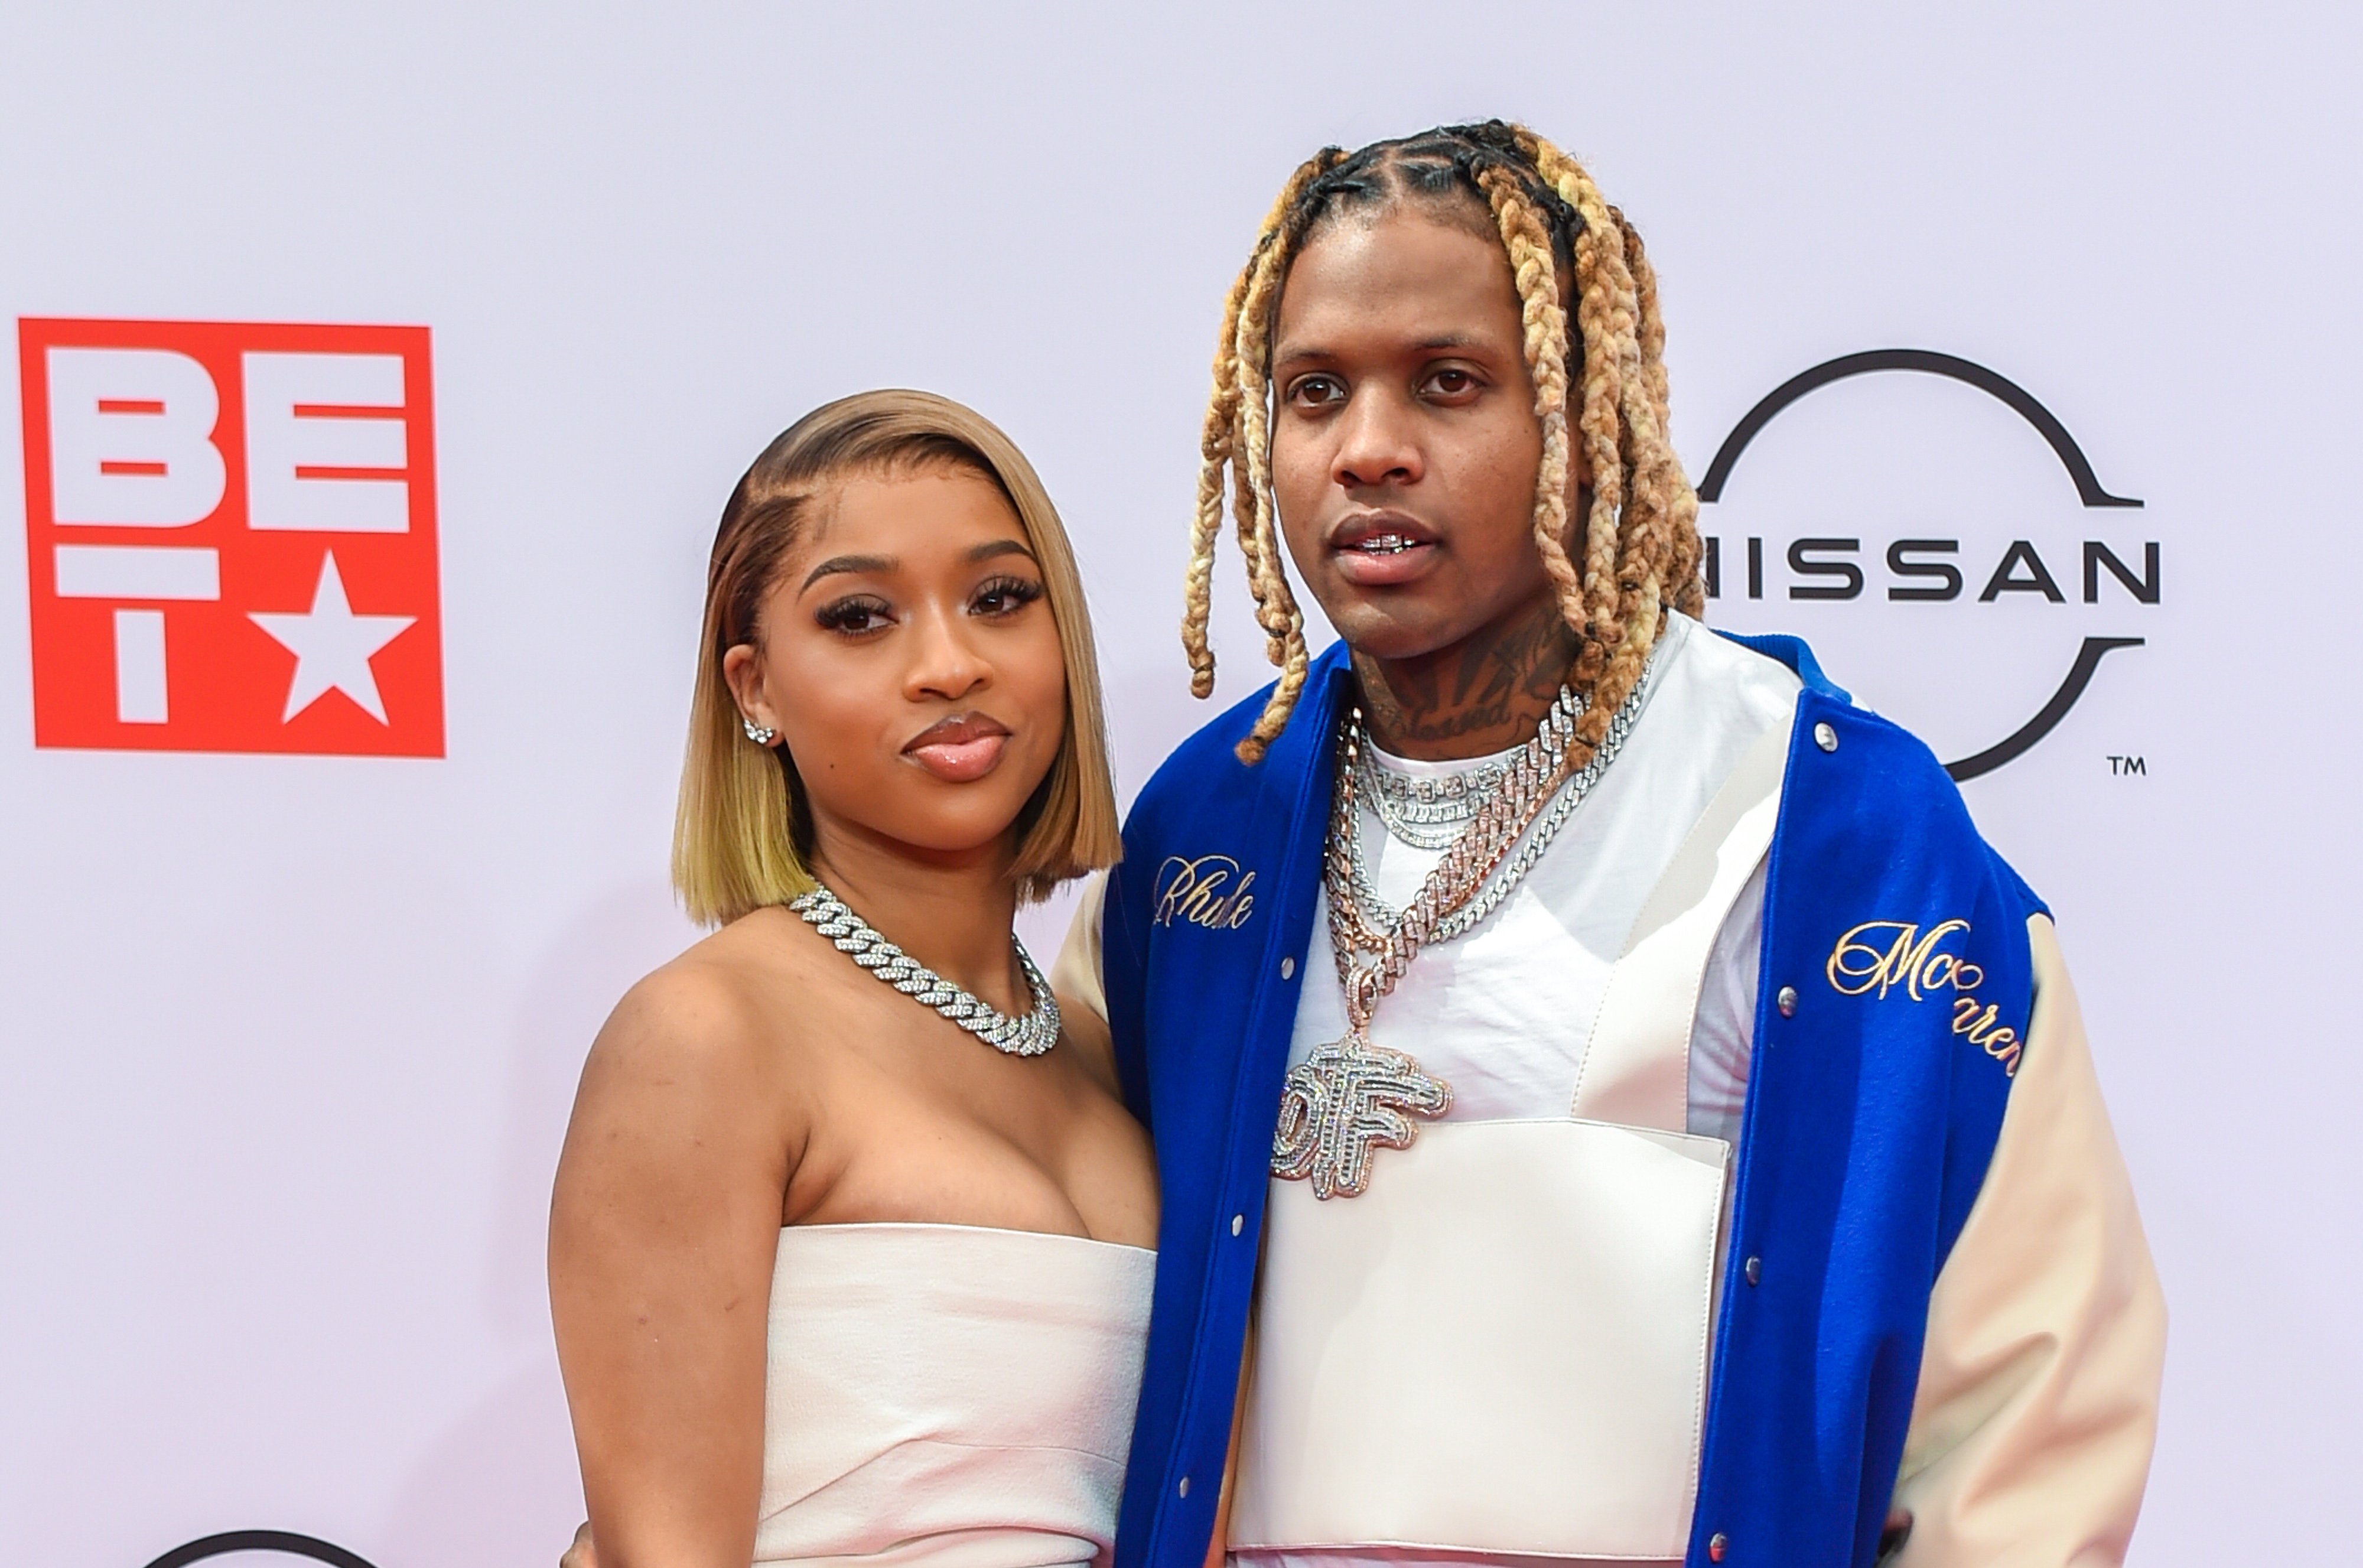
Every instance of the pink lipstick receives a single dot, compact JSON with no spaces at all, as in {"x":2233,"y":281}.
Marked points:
{"x":960,"y":748}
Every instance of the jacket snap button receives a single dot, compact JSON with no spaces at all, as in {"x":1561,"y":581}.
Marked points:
{"x":1786,"y":1001}
{"x":1716,"y":1545}
{"x":1825,"y":736}
{"x":1238,"y":1223}
{"x":1288,"y":969}
{"x":1755,"y":1270}
{"x":1183,"y":1490}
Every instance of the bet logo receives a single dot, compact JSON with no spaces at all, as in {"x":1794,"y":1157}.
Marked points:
{"x":230,"y":537}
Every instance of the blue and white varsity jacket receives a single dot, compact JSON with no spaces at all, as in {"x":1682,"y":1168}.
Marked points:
{"x":1956,"y":1314}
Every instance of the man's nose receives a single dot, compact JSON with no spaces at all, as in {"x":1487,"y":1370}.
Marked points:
{"x":1377,"y":441}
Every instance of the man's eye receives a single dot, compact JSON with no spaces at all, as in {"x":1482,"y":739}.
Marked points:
{"x":1452,"y":383}
{"x":853,"y":616}
{"x":1314,"y":391}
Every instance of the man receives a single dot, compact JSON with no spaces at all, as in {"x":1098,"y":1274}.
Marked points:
{"x":1449,"y":973}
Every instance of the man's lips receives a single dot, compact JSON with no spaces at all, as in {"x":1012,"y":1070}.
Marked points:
{"x":957,"y":749}
{"x":1382,"y":548}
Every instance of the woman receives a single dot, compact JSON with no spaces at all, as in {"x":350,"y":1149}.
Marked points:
{"x":849,"y":1247}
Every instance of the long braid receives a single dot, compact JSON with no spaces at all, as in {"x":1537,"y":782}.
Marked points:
{"x":1653,"y":533}
{"x":1251,"y":500}
{"x":1528,"y":239}
{"x":1214,"y":446}
{"x":1621,"y":590}
{"x":1682,"y":563}
{"x":1641,"y":551}
{"x":1236,"y":408}
{"x":1603,"y":380}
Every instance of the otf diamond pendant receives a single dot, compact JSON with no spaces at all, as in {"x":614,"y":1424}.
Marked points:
{"x":1342,"y":1102}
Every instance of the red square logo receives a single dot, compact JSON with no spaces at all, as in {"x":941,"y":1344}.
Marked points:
{"x":231,"y":531}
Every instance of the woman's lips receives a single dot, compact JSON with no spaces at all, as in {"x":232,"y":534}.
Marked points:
{"x":961,"y":749}
{"x":960,"y":762}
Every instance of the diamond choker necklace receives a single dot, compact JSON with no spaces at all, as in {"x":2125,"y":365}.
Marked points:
{"x":1031,"y":1035}
{"x":1549,"y":749}
{"x":1429,"y":812}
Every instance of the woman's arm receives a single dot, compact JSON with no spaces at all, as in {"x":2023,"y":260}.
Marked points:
{"x":663,"y":1230}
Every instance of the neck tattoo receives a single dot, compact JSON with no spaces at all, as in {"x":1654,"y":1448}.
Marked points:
{"x":1484,"y":695}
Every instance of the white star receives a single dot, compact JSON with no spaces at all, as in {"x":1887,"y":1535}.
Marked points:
{"x":332,"y":646}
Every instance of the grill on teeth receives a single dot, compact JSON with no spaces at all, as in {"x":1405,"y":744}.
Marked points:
{"x":1385,"y":544}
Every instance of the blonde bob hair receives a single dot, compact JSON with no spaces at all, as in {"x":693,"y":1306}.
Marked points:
{"x":742,"y":835}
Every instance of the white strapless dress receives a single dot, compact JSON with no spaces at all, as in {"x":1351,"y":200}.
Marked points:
{"x":949,"y":1396}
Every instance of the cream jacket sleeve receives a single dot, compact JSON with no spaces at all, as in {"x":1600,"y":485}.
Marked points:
{"x":1076,"y":973}
{"x":2038,"y":1405}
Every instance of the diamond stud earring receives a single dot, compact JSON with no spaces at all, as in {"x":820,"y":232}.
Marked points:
{"x":760,"y":734}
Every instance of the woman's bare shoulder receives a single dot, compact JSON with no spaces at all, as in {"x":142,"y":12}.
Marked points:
{"x":720,"y":1012}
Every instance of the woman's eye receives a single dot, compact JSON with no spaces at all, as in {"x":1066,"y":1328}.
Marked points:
{"x":1005,"y":596}
{"x":853,"y":616}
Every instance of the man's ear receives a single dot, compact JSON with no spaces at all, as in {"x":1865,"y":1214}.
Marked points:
{"x":1578,"y":499}
{"x":1578,"y":482}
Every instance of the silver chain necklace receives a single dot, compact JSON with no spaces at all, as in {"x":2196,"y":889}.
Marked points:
{"x":1384,"y":916}
{"x":1429,"y":813}
{"x":1031,"y":1035}
{"x":1351,"y":1097}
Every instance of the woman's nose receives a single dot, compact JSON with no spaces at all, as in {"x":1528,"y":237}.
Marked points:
{"x":946,"y":662}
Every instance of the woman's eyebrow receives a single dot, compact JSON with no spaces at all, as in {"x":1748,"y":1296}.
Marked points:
{"x":837,"y":563}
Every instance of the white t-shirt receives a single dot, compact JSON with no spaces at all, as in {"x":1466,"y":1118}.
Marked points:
{"x":1504,"y":1014}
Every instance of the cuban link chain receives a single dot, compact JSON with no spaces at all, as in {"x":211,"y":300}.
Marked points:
{"x":1031,"y":1035}
{"x":1428,"y":813}
{"x":1382,"y":916}
{"x":1350,"y":1097}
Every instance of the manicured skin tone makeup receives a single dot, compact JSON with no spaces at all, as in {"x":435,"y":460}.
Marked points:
{"x":914,"y":675}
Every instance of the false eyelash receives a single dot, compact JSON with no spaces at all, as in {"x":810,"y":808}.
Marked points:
{"x":839,"y":617}
{"x":1024,"y":590}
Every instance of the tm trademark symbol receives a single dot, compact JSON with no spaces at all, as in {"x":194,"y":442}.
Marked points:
{"x":2124,"y":767}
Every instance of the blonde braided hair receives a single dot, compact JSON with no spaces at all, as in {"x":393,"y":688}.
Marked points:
{"x":1640,"y":545}
{"x":1237,"y":434}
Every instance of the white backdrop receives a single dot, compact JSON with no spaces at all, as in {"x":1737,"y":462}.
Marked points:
{"x":289,"y":1040}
